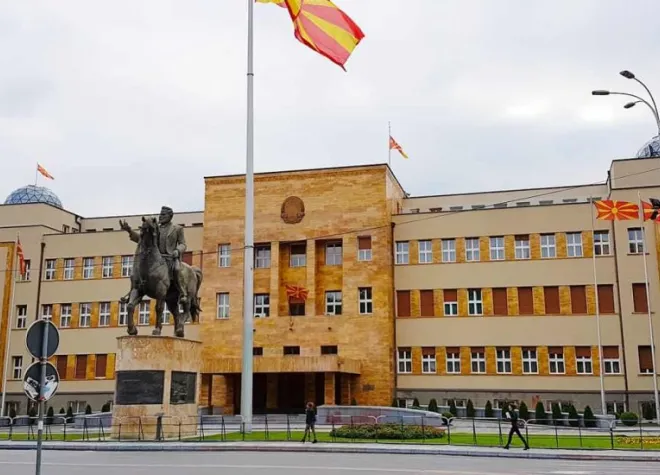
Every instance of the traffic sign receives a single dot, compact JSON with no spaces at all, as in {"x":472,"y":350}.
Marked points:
{"x":35,"y":337}
{"x":31,"y":385}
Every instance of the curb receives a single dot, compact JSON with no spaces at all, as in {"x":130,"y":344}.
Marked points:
{"x":543,"y":454}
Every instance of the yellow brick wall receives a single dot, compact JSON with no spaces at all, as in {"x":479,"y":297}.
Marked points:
{"x":565,"y":300}
{"x":462,"y":302}
{"x":415,"y":309}
{"x":5,"y":320}
{"x":484,"y":248}
{"x":591,"y":299}
{"x":441,"y":360}
{"x":509,"y":247}
{"x":569,"y":360}
{"x":413,"y":257}
{"x":416,"y":360}
{"x":460,"y":249}
{"x":535,"y":245}
{"x":438,"y":304}
{"x":487,"y":298}
{"x":516,"y":360}
{"x":539,"y":300}
{"x":587,"y":244}
{"x":512,"y":301}
{"x":491,"y":364}
{"x":561,"y":245}
{"x":542,"y":355}
{"x":436,"y":246}
{"x":595,"y":358}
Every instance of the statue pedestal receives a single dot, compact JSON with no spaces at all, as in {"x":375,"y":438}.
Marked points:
{"x":157,"y":387}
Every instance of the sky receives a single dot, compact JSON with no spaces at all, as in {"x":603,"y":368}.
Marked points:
{"x":129,"y":104}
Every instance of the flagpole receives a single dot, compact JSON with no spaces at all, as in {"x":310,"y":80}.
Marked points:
{"x":648,"y":308}
{"x":10,"y":319}
{"x":389,"y":144}
{"x":36,"y":175}
{"x":248,"y":314}
{"x":600,"y":343}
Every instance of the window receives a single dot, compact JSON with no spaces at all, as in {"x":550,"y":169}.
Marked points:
{"x":551,"y":298}
{"x":126,"y":266}
{"x":17,"y":367}
{"x":428,"y":361}
{"x":296,"y":307}
{"x":329,"y":350}
{"x":556,"y":360}
{"x":61,"y":366}
{"x":333,"y":254}
{"x":165,"y":316}
{"x":47,"y":312}
{"x":472,"y":249}
{"x":65,"y":315}
{"x":403,"y":303}
{"x":450,"y":302}
{"x":25,"y":277}
{"x":639,"y":298}
{"x":123,"y":313}
{"x":583,"y":360}
{"x":257,"y":351}
{"x":426,"y":303}
{"x":522,"y":247}
{"x":497,"y":248}
{"x":224,"y":255}
{"x":602,"y":243}
{"x":21,"y":316}
{"x":298,"y":255}
{"x":548,"y":246}
{"x":261,"y":305}
{"x":333,"y":302}
{"x":475,"y":304}
{"x":222,"y":303}
{"x":69,"y":266}
{"x":405,"y":360}
{"x":85,"y":315}
{"x":574,"y":244}
{"x":478,"y":360}
{"x":101,"y":366}
{"x":453,"y":361}
{"x":364,"y":248}
{"x":448,"y":250}
{"x":81,"y":366}
{"x":88,"y":267}
{"x":611,"y":360}
{"x":49,"y":273}
{"x":530,"y":361}
{"x":106,"y":266}
{"x":401,"y":252}
{"x":645,"y":359}
{"x":635,"y":241}
{"x":578,"y":300}
{"x":526,"y":300}
{"x":104,"y":314}
{"x":500,"y":302}
{"x":425,"y":252}
{"x":503,"y":359}
{"x":291,"y":350}
{"x":365,"y":302}
{"x":606,"y":298}
{"x":262,"y":257}
{"x":143,"y":313}
{"x":615,"y":407}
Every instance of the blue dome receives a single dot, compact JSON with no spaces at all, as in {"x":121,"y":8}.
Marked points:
{"x":33,"y":194}
{"x":650,"y":149}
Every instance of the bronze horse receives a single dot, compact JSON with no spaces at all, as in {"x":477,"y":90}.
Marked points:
{"x":151,"y":278}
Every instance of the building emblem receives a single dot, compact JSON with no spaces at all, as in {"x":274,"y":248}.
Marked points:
{"x":293,"y":210}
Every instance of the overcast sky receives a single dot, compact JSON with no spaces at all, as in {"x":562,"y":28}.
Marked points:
{"x":122,"y":99}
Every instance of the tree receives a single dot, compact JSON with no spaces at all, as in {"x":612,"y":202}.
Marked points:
{"x":415,"y":403}
{"x":648,"y":411}
{"x":488,"y":411}
{"x":433,"y":405}
{"x":452,"y":408}
{"x":88,"y":409}
{"x":32,"y":413}
{"x":69,"y":414}
{"x":106,"y":407}
{"x":573,"y":416}
{"x":50,"y":415}
{"x":557,"y":416}
{"x":539,"y":413}
{"x":471,"y":413}
{"x":12,"y":413}
{"x":589,"y":419}
{"x":523,"y":412}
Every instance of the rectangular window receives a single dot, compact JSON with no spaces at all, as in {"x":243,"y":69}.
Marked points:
{"x":606,"y":298}
{"x":450,"y":302}
{"x":639,"y":298}
{"x":365,"y":303}
{"x":578,"y":300}
{"x":530,"y":361}
{"x":261,"y":305}
{"x":101,"y":366}
{"x":503,"y":359}
{"x":472,"y":249}
{"x":526,"y":300}
{"x":333,"y":253}
{"x":85,"y":315}
{"x":449,"y":250}
{"x":49,"y":272}
{"x":583,"y":360}
{"x":556,"y":360}
{"x":21,"y":316}
{"x":17,"y":367}
{"x":602,"y":243}
{"x":126,"y":266}
{"x":364,"y":248}
{"x":222,"y":304}
{"x":522,"y":247}
{"x":574,"y":244}
{"x":104,"y":314}
{"x":47,"y":312}
{"x":333,"y":302}
{"x":257,"y":351}
{"x":478,"y":360}
{"x":123,"y":313}
{"x":453,"y":361}
{"x":69,"y":266}
{"x":401,"y":252}
{"x":329,"y":350}
{"x":61,"y":366}
{"x":81,"y":366}
{"x":291,"y":350}
{"x":107,"y":263}
{"x":426,"y":303}
{"x":296,"y":307}
{"x":500,"y":302}
{"x":65,"y":315}
{"x":635,"y":241}
{"x":262,"y":257}
{"x":405,"y":360}
{"x":611,"y":360}
{"x":428,"y":360}
{"x":475,"y":304}
{"x":25,"y":277}
{"x":298,"y":255}
{"x":425,"y":252}
{"x":165,"y":316}
{"x":551,"y":297}
{"x":403,"y":303}
{"x":645,"y":359}
{"x":497,"y":248}
{"x":224,"y":255}
{"x":143,"y":314}
{"x":88,"y":267}
{"x":548,"y":246}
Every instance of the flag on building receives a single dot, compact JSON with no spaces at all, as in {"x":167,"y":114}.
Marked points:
{"x":610,"y":210}
{"x":395,"y":146}
{"x":323,"y":27}
{"x":21,"y":257}
{"x":650,"y":212}
{"x":296,"y":292}
{"x":44,"y":172}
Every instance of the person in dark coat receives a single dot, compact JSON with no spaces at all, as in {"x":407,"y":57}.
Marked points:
{"x":512,"y":415}
{"x":310,"y":422}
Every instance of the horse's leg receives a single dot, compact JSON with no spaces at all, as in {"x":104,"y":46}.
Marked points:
{"x":173,"y":305}
{"x":133,"y":300}
{"x":160,"y":306}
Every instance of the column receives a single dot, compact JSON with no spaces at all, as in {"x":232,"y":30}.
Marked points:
{"x":329,"y":388}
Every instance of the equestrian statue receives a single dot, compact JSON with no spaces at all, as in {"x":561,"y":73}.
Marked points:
{"x":159,"y":273}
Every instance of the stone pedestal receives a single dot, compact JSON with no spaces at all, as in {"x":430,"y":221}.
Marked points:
{"x":157,"y":387}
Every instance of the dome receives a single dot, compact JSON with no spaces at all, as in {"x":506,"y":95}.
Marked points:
{"x":33,"y":194}
{"x":650,"y":148}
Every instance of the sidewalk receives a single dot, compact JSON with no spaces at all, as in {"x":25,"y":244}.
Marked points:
{"x":361,"y":448}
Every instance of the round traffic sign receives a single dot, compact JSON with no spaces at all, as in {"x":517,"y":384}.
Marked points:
{"x":31,"y":385}
{"x":35,"y":337}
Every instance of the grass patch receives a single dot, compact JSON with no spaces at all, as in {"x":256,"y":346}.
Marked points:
{"x":24,"y":436}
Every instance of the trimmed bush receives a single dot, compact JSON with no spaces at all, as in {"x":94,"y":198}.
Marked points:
{"x":88,"y":409}
{"x":452,"y":408}
{"x":648,"y":412}
{"x":573,"y":416}
{"x":395,"y":402}
{"x":415,"y":403}
{"x":589,"y":419}
{"x":557,"y":416}
{"x":69,"y":415}
{"x":32,"y":413}
{"x":629,"y":419}
{"x":471,"y":413}
{"x":353,"y":402}
{"x":433,"y":405}
{"x":106,"y":407}
{"x":540,"y":414}
{"x":523,"y":412}
{"x":50,"y":415}
{"x":12,"y":413}
{"x":387,"y":431}
{"x":488,"y":410}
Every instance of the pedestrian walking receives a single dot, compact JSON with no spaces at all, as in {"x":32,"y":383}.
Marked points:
{"x":512,"y":415}
{"x":310,"y":422}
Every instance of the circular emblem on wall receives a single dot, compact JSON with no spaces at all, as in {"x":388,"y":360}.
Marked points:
{"x":293,"y":210}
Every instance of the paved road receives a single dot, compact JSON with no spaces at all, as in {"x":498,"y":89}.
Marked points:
{"x":260,"y":463}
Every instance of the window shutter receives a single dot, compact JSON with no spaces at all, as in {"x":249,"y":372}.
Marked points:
{"x":101,"y":365}
{"x":453,"y":350}
{"x":426,"y":299}
{"x":639,"y":298}
{"x":403,"y":303}
{"x":611,"y":352}
{"x":555,"y":350}
{"x":500,"y":305}
{"x":578,"y":300}
{"x":428,"y":351}
{"x":364,"y":242}
{"x":451,"y":295}
{"x":526,"y":301}
{"x":61,"y":366}
{"x":583,"y":351}
{"x":551,"y":300}
{"x":81,"y":366}
{"x":606,"y":298}
{"x":477,"y":349}
{"x":645,"y":360}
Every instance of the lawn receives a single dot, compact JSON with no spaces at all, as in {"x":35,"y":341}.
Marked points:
{"x":23,"y":436}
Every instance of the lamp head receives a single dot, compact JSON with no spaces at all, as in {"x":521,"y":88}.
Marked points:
{"x":600,"y":92}
{"x":627,"y":74}
{"x":629,"y":105}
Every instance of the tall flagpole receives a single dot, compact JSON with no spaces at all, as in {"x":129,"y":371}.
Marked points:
{"x":248,"y":314}
{"x":600,"y":343}
{"x":389,"y":144}
{"x":10,"y":320}
{"x":648,"y":308}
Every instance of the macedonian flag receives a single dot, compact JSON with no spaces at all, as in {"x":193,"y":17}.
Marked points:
{"x":323,"y":27}
{"x":649,"y":211}
{"x":296,"y":292}
{"x":611,"y":210}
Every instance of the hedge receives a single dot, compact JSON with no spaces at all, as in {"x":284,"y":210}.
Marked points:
{"x":387,"y":431}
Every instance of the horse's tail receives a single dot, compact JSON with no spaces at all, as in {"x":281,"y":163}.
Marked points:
{"x":195,"y":308}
